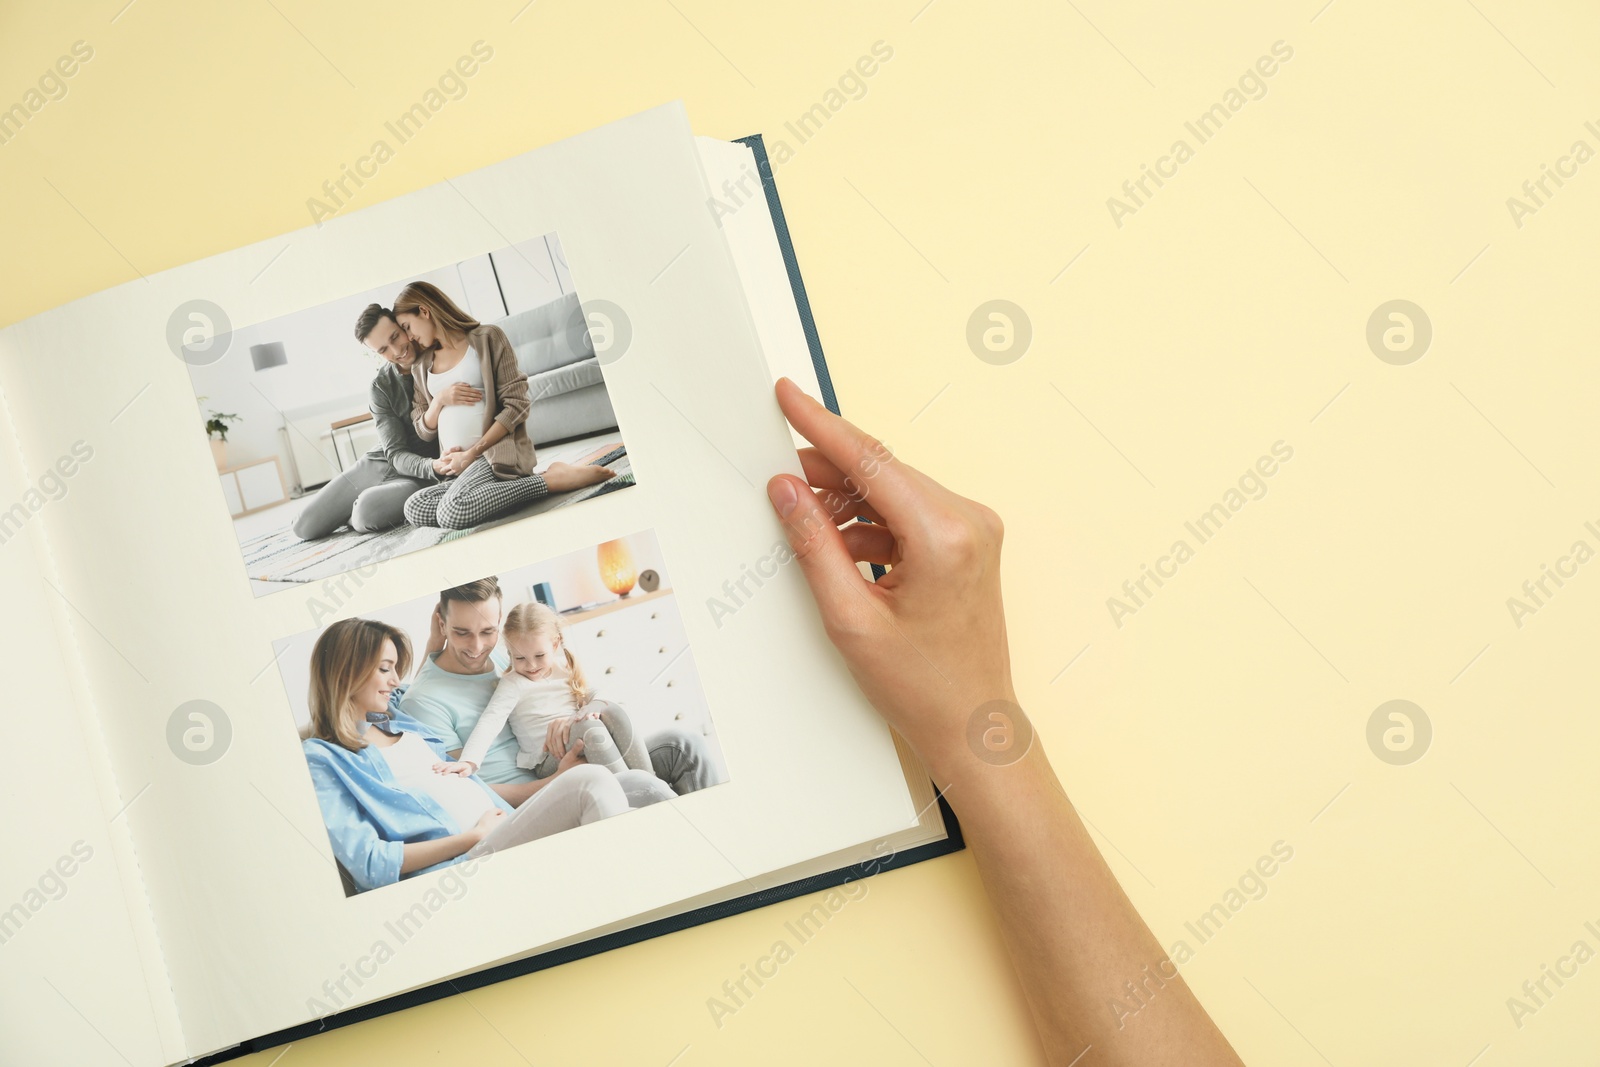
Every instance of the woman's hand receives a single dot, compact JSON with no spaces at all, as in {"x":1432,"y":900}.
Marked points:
{"x":486,"y":823}
{"x":456,"y":393}
{"x":454,"y":461}
{"x":927,"y":642}
{"x":465,"y":768}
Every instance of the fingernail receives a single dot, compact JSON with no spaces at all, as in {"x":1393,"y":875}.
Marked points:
{"x":792,"y":384}
{"x":781,"y":492}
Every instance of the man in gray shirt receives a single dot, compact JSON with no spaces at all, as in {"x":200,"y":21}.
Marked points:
{"x":371,"y":495}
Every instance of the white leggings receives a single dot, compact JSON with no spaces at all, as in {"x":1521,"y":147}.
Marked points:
{"x":580,"y":796}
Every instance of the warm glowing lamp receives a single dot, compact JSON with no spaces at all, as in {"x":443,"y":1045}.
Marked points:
{"x":616,"y":567}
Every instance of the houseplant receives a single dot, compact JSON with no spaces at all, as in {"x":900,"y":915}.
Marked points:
{"x":217,"y":423}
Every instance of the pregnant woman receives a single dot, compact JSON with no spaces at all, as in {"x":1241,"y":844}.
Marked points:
{"x":389,"y":814}
{"x":469,"y":395}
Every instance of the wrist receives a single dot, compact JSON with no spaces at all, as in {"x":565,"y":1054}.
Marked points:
{"x":984,"y":794}
{"x":994,"y":735}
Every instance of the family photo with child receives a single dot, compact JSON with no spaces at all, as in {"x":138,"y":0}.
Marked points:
{"x":496,"y":722}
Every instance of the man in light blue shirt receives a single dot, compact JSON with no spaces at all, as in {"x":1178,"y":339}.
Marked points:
{"x":454,"y":685}
{"x":447,"y":698}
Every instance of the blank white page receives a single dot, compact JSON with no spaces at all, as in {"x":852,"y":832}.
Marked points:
{"x":81,"y":980}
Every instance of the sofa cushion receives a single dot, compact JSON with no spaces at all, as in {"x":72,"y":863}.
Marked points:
{"x":542,"y":338}
{"x":575,"y":414}
{"x":565,"y":379}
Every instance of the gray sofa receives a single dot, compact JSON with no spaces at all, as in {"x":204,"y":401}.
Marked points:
{"x":569,"y":395}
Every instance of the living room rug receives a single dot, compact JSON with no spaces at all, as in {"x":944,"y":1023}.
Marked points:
{"x":280,"y":556}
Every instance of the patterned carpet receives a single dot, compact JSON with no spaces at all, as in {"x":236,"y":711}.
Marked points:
{"x":280,"y":556}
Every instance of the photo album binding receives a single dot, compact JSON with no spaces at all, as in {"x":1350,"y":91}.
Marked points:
{"x":384,"y":599}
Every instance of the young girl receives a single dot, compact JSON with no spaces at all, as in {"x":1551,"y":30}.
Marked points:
{"x":547,"y":702}
{"x":388,"y":815}
{"x":469,"y":395}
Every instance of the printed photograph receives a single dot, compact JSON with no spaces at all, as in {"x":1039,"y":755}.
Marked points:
{"x":392,"y":420}
{"x":500,"y":711}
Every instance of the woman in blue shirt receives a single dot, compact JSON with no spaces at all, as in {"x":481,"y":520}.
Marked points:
{"x":389,"y":811}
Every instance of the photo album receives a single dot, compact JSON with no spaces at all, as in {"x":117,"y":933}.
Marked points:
{"x":396,"y":608}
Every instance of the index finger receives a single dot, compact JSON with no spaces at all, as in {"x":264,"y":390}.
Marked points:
{"x":894,"y":488}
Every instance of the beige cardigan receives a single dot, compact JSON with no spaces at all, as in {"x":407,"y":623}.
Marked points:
{"x":505,"y":394}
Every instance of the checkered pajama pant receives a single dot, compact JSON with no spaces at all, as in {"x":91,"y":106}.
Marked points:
{"x":472,"y":497}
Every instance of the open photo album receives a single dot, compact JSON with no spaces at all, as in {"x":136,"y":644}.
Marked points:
{"x":395,"y":607}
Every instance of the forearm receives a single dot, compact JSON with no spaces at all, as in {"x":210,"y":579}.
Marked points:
{"x":394,"y":427}
{"x":423,"y":408}
{"x":512,"y":400}
{"x":1074,"y":936}
{"x":1075,"y":939}
{"x":412,"y":465}
{"x":483,"y":735}
{"x":420,"y":854}
{"x":494,"y":433}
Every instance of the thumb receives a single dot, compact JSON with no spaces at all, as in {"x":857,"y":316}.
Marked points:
{"x":816,"y":543}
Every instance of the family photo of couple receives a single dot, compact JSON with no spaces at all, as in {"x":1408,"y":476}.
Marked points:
{"x":456,"y":726}
{"x":450,"y":407}
{"x":392,"y":420}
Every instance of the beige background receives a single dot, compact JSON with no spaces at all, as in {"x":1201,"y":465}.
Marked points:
{"x":1228,"y":313}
